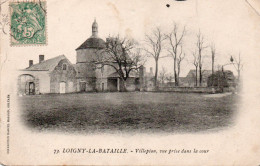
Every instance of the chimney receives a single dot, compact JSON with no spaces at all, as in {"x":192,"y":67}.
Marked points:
{"x":151,"y":70}
{"x":30,"y":63}
{"x":141,"y":71}
{"x":41,"y":58}
{"x":141,"y":77}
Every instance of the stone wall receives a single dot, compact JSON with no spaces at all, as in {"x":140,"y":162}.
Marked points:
{"x":41,"y":80}
{"x":86,"y":55}
{"x":23,"y":85}
{"x":194,"y":89}
{"x":132,"y":84}
{"x":67,"y":76}
{"x":99,"y":85}
{"x":187,"y":89}
{"x":86,"y":70}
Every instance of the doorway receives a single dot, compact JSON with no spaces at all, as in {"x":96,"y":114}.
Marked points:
{"x":82,"y":86}
{"x":103,"y":87}
{"x":62,"y":87}
{"x":112,"y":84}
{"x":31,"y":88}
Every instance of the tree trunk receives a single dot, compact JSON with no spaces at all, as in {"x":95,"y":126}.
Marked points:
{"x":212,"y":79}
{"x":123,"y":85}
{"x":156,"y":74}
{"x":238,"y":75}
{"x":196,"y":77}
{"x":200,"y":76}
{"x":175,"y":73}
{"x":178,"y":74}
{"x":212,"y":66}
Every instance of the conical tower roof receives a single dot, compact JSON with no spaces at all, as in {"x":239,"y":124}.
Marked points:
{"x":94,"y":41}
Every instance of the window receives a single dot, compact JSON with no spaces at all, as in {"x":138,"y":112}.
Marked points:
{"x":102,"y":69}
{"x":103,"y":86}
{"x":64,"y":66}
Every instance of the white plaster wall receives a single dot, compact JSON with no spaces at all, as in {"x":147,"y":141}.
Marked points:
{"x":44,"y":82}
{"x":44,"y":79}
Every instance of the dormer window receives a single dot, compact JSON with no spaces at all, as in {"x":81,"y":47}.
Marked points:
{"x":64,"y":66}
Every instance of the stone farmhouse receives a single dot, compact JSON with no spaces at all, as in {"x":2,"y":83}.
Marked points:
{"x":56,"y":75}
{"x":59,"y":75}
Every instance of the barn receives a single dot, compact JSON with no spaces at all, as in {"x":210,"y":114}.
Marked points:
{"x":55,"y":75}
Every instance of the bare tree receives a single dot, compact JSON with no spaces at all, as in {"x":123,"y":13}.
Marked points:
{"x":237,"y":64}
{"x":179,"y":60}
{"x":122,"y":56}
{"x":175,"y":38}
{"x":155,"y":45}
{"x":196,"y":64}
{"x":200,"y":47}
{"x":213,"y":54}
{"x":162,"y":75}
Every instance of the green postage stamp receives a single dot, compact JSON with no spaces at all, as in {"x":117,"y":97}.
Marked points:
{"x":28,"y":23}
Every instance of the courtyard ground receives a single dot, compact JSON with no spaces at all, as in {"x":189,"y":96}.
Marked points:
{"x":124,"y":112}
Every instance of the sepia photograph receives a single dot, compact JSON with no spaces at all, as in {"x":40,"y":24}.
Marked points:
{"x":109,"y":87}
{"x":130,"y":77}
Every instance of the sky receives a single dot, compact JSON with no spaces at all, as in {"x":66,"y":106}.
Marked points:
{"x":226,"y":23}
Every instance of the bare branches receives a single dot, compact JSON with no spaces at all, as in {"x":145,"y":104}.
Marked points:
{"x":181,"y":56}
{"x":196,"y":64}
{"x":155,"y":44}
{"x":195,"y":59}
{"x":175,"y":38}
{"x":237,"y":63}
{"x":179,"y":60}
{"x":200,"y":45}
{"x":122,"y":55}
{"x":163,"y":75}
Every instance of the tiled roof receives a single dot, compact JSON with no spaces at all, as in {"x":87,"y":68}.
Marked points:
{"x":47,"y":65}
{"x":93,"y":42}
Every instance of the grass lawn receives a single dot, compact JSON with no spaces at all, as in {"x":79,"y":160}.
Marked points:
{"x":135,"y":111}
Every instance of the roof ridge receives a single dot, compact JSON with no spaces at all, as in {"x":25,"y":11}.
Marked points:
{"x":46,"y":64}
{"x":56,"y":57}
{"x":92,"y":42}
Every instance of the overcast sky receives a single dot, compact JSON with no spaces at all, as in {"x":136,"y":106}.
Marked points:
{"x":227,"y":23}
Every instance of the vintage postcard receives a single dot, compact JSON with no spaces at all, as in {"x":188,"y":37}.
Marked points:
{"x":140,"y":82}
